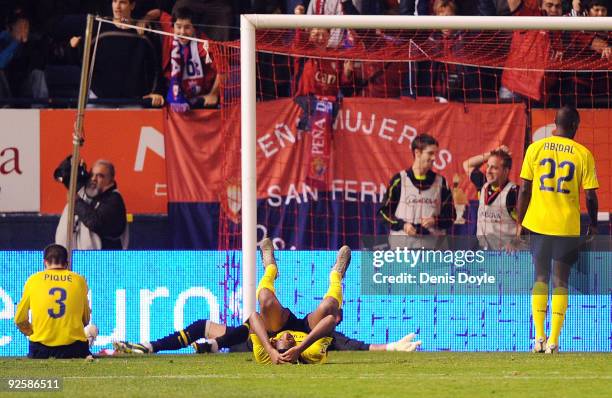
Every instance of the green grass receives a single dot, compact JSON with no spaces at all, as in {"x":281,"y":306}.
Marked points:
{"x":354,"y":374}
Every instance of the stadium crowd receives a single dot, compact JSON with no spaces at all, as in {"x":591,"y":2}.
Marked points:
{"x":41,"y":51}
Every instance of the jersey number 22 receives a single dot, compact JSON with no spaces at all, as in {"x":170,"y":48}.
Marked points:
{"x":565,"y":165}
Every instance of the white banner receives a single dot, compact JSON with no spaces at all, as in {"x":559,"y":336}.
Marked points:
{"x":19,"y":160}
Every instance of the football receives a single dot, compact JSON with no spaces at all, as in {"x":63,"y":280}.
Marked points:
{"x":91,"y":332}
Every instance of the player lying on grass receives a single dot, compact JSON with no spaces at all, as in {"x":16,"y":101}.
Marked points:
{"x":208,"y":337}
{"x":220,"y":336}
{"x":278,"y":336}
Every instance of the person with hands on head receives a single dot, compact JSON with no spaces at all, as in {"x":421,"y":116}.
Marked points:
{"x":497,"y":197}
{"x":12,"y":41}
{"x":278,"y":336}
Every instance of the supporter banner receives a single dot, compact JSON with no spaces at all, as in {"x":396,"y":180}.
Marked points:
{"x":594,"y":132}
{"x":373,"y":138}
{"x":19,"y":160}
{"x":132,"y":139}
{"x":158,"y":292}
{"x":195,"y":149}
{"x":370,"y":143}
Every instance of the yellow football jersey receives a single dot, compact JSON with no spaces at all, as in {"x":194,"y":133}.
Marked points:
{"x":557,"y":167}
{"x":315,"y":354}
{"x":57,"y":299}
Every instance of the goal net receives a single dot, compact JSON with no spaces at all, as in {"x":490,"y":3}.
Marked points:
{"x":317,"y":121}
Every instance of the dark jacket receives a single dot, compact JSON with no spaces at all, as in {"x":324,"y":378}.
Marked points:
{"x":126,"y":66}
{"x":412,"y":7}
{"x":106,"y":216}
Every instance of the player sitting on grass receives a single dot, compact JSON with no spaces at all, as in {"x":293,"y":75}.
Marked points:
{"x":54,"y":309}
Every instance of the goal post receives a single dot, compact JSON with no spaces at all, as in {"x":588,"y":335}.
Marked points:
{"x":277,"y":21}
{"x":248,"y":163}
{"x":248,"y":27}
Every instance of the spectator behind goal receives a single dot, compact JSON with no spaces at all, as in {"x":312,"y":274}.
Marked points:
{"x":539,"y":50}
{"x":21,"y":60}
{"x":188,"y":66}
{"x":126,"y":63}
{"x":445,"y":80}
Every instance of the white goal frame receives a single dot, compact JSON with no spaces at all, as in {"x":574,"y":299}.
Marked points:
{"x":248,"y":26}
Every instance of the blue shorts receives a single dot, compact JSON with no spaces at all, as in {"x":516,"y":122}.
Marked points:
{"x":564,"y":249}
{"x":78,"y":349}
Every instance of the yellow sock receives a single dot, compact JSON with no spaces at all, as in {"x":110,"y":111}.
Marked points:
{"x":335,"y":287}
{"x":558,"y":308}
{"x":539,"y":304}
{"x":267,"y":281}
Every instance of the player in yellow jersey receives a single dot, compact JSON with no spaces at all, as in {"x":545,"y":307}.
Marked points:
{"x":57,"y":298}
{"x":553,"y":171}
{"x":278,"y":336}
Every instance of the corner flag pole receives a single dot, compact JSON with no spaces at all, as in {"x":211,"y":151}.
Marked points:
{"x":77,"y":136}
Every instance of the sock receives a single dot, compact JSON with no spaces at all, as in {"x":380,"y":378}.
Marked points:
{"x":335,"y":287}
{"x":267,"y":281}
{"x":558,"y":308}
{"x":539,"y":304}
{"x":182,"y":338}
{"x":233,"y":336}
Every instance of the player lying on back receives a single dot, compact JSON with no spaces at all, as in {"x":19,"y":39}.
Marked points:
{"x":219,"y":336}
{"x":278,"y":336}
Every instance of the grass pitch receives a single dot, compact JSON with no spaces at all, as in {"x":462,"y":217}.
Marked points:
{"x":348,"y":374}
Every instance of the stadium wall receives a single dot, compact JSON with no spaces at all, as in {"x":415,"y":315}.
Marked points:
{"x":27,"y":231}
{"x":33,"y":143}
{"x":143,"y":295}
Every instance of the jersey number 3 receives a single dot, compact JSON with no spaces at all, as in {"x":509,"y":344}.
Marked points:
{"x":60,"y":301}
{"x":565,"y":165}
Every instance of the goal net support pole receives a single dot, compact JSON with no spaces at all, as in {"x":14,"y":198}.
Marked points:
{"x":77,"y":135}
{"x":248,"y":26}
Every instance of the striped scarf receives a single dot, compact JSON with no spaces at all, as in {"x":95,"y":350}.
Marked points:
{"x":176,"y":97}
